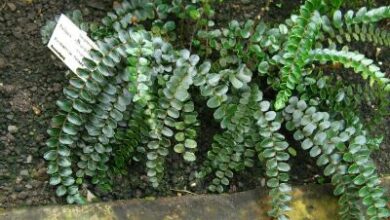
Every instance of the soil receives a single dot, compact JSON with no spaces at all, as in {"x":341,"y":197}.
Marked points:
{"x":31,"y":80}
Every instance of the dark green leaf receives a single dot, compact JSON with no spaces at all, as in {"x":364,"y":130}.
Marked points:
{"x":50,"y":155}
{"x":179,"y":148}
{"x":81,"y":106}
{"x":55,"y":180}
{"x":189,"y":156}
{"x":64,"y":105}
{"x":61,"y":190}
{"x":64,"y":162}
{"x":189,"y":143}
{"x":74,"y":119}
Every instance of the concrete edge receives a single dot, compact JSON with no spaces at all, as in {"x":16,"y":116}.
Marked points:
{"x":309,"y":202}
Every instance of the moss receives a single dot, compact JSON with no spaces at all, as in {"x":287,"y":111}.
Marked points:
{"x":306,"y":206}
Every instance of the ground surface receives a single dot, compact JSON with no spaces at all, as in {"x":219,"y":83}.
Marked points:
{"x":31,"y":79}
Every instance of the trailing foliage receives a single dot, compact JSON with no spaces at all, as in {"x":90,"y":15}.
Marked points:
{"x":296,"y":50}
{"x":355,"y":60}
{"x":345,"y":153}
{"x":359,"y":26}
{"x":135,"y":100}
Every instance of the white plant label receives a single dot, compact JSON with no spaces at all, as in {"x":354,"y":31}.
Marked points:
{"x":69,"y":43}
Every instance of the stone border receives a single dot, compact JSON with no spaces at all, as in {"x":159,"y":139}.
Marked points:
{"x":309,"y":202}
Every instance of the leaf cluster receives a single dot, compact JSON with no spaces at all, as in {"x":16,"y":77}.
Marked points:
{"x":135,"y":100}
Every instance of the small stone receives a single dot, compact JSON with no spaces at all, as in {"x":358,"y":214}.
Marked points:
{"x":36,"y":110}
{"x":29,"y":159}
{"x":8,"y":88}
{"x":21,"y":101}
{"x":138,"y":193}
{"x":57,"y":87}
{"x":18,"y":180}
{"x":24,"y":173}
{"x":116,"y":4}
{"x":29,"y":202}
{"x":11,"y":6}
{"x":18,"y":188}
{"x":10,"y":116}
{"x":12,"y":129}
{"x":90,"y":196}
{"x":40,"y":174}
{"x":28,"y":186}
{"x":9,"y":137}
{"x":23,"y":195}
{"x":262,"y":182}
{"x":39,"y":138}
{"x":14,"y":196}
{"x":18,"y":32}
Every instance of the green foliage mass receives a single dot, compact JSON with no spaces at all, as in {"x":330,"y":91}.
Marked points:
{"x":265,"y":83}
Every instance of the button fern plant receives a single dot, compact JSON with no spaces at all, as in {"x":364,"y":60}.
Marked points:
{"x":264,"y":82}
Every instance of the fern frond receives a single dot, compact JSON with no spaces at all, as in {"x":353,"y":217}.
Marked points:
{"x":357,"y":61}
{"x":185,"y":135}
{"x":234,"y":148}
{"x":299,"y":42}
{"x":101,"y":126}
{"x":345,"y":154}
{"x":168,"y":109}
{"x":223,"y":159}
{"x":272,"y":149}
{"x":82,"y":94}
{"x":125,"y":14}
{"x":368,"y":16}
{"x":318,"y":134}
{"x":360,"y":27}
{"x":129,"y":141}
